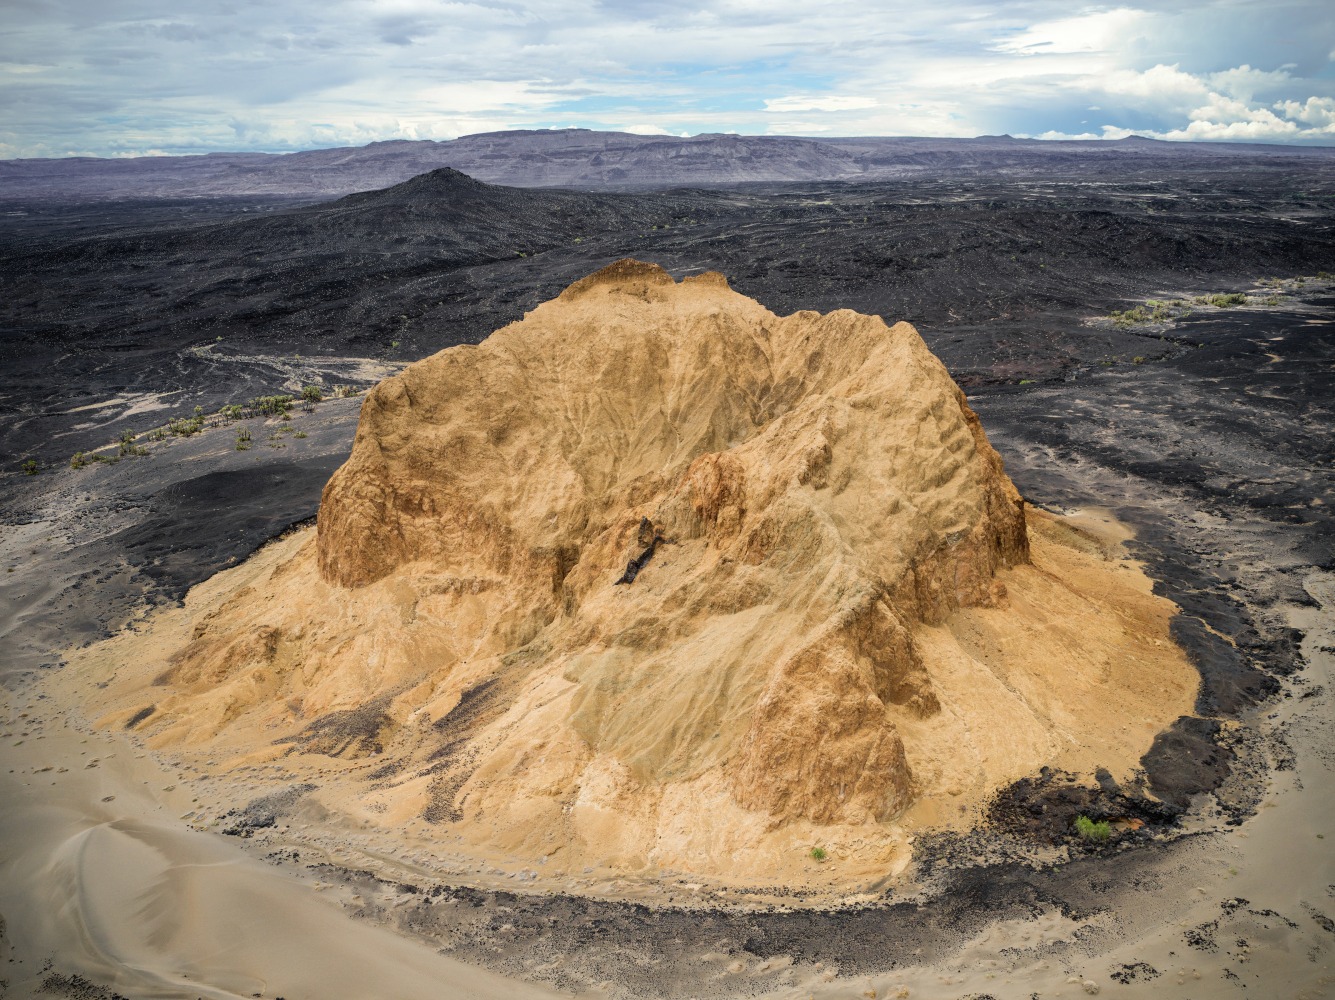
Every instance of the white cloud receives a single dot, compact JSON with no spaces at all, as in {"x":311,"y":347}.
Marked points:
{"x":1275,"y":130}
{"x":1244,"y":83}
{"x":645,"y":129}
{"x":1096,"y":31}
{"x":1316,"y":111}
{"x":827,"y":102}
{"x":1225,"y":109}
{"x":1163,"y":84}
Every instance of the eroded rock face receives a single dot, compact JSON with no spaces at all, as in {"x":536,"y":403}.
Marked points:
{"x":657,"y":581}
{"x":797,"y":493}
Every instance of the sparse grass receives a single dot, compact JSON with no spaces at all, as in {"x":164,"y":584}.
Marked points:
{"x":1094,"y":832}
{"x":818,"y":854}
{"x":1153,"y":311}
{"x":78,"y":460}
{"x":300,"y":434}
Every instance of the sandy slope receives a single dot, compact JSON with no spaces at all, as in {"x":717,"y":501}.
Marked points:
{"x":1241,"y":913}
{"x":99,"y":877}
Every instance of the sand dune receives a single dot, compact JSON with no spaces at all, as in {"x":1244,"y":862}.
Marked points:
{"x":101,"y":880}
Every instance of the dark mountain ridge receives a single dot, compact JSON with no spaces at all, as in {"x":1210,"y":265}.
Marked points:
{"x":582,"y":158}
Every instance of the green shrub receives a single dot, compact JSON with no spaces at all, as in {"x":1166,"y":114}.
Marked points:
{"x":128,"y":447}
{"x":270,"y":406}
{"x":1088,"y":829}
{"x":187,"y":426}
{"x":242,"y":438}
{"x":78,"y":460}
{"x":311,"y":394}
{"x":1129,"y":317}
{"x":1222,"y":301}
{"x":29,"y":467}
{"x":818,"y":854}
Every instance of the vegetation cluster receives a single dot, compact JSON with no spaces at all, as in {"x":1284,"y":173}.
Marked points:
{"x":131,"y":444}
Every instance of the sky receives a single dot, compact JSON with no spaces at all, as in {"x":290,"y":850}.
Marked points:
{"x":138,"y":77}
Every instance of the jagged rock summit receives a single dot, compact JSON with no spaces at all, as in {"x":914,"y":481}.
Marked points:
{"x":655,"y":575}
{"x":817,"y":486}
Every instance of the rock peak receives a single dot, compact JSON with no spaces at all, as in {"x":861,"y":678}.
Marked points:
{"x":636,"y":276}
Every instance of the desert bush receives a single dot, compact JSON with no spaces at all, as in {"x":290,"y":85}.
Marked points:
{"x":818,"y":854}
{"x":29,"y":467}
{"x":1095,"y":832}
{"x":271,"y":406}
{"x":126,"y":445}
{"x":1129,"y":317}
{"x":242,"y":438}
{"x":1222,"y":301}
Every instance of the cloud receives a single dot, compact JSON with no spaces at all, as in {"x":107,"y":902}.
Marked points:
{"x":88,"y":76}
{"x":1162,"y":84}
{"x":1248,"y":130}
{"x":643,"y":129}
{"x":1315,"y":111}
{"x":1243,"y":82}
{"x":1096,"y":31}
{"x":829,"y":102}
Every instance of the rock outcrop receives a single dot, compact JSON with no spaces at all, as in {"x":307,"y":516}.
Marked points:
{"x":818,"y":486}
{"x":655,"y":576}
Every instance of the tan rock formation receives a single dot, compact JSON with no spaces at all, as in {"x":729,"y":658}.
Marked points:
{"x":819,"y":481}
{"x":655,"y":574}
